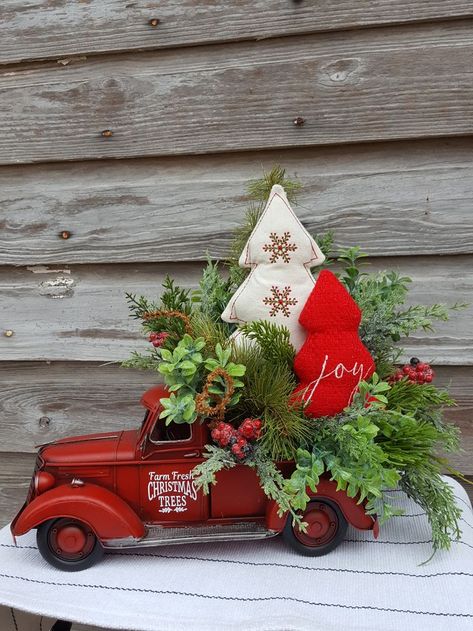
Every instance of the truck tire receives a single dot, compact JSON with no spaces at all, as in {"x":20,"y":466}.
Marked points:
{"x":326,"y":528}
{"x":68,"y":544}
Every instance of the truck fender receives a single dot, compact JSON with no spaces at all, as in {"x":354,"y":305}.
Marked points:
{"x":107,"y":514}
{"x":354,"y":513}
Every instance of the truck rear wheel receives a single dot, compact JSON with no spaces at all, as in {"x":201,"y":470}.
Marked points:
{"x":68,"y":544}
{"x":326,"y":528}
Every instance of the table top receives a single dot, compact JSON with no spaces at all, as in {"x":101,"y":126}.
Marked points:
{"x":365,"y":584}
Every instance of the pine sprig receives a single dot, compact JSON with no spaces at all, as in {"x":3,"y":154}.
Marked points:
{"x":268,"y":395}
{"x":407,"y":396}
{"x":260,"y":189}
{"x":273,"y":339}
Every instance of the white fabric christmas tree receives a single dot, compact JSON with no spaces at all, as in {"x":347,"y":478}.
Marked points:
{"x":280,"y":253}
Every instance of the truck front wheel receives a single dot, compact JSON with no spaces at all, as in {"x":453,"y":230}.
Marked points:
{"x":326,"y":528}
{"x":68,"y":544}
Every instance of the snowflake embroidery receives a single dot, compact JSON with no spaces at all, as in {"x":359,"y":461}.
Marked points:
{"x":280,"y":247}
{"x":280,"y":301}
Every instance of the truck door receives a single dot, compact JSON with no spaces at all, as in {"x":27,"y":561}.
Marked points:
{"x":167,"y":490}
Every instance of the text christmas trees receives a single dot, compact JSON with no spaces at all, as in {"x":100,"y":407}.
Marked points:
{"x":280,"y":253}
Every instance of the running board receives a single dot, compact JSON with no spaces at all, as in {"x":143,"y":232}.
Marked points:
{"x":161,"y":536}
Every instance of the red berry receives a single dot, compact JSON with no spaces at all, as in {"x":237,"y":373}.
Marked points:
{"x":421,"y":367}
{"x":406,"y":369}
{"x":428,"y":378}
{"x":236,"y":450}
{"x":250,"y":428}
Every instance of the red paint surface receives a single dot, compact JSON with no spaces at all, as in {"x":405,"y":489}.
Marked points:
{"x":127,"y":481}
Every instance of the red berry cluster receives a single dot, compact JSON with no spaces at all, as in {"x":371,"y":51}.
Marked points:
{"x":158,"y":339}
{"x":250,"y":428}
{"x":239,"y":440}
{"x":416,"y":371}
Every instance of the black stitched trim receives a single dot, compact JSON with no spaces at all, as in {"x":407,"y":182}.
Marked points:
{"x":403,"y":543}
{"x":286,"y":565}
{"x":170,"y":592}
{"x":13,"y":618}
{"x":263,"y":563}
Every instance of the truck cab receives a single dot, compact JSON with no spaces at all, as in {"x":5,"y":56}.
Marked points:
{"x":135,"y":488}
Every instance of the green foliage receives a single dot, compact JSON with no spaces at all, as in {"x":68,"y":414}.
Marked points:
{"x":380,"y":297}
{"x":182,"y":371}
{"x":351,"y":260}
{"x":325,"y":242}
{"x":260,"y":189}
{"x":271,"y":479}
{"x":174,"y":298}
{"x":309,"y":468}
{"x":273,"y":484}
{"x":216,"y":459}
{"x":214,"y":292}
{"x":212,"y":332}
{"x":407,"y":396}
{"x":139,"y":305}
{"x":180,"y":409}
{"x":181,"y":366}
{"x":222,"y":360}
{"x":268,"y":395}
{"x":371,"y":447}
{"x":273,"y":339}
{"x":388,"y":435}
{"x":143,"y":361}
{"x":425,"y":486}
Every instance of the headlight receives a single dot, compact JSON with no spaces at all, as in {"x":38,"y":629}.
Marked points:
{"x":43,"y":481}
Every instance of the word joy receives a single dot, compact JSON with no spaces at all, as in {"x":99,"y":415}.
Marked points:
{"x":338,"y":372}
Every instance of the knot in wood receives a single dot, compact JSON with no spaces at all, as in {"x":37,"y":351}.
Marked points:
{"x":8,"y":333}
{"x":154,"y":22}
{"x":107,"y":133}
{"x":44,"y":421}
{"x":65,"y":234}
{"x":299,"y":121}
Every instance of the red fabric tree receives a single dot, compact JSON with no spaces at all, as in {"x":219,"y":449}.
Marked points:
{"x":333,"y":359}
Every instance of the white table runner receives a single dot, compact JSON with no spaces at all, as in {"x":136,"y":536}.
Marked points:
{"x":363,"y":585}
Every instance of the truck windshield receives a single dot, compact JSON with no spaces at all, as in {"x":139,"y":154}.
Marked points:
{"x":173,"y":432}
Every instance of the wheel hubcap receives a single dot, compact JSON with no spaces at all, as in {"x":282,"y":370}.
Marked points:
{"x":322,"y":525}
{"x":71,"y":540}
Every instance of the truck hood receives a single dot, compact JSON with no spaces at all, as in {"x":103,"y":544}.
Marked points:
{"x":90,"y":449}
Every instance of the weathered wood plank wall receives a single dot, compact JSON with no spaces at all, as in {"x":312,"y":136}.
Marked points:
{"x":42,"y":29}
{"x":198,"y":105}
{"x":352,"y":86}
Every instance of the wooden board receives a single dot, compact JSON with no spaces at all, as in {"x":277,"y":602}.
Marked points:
{"x":43,"y":29}
{"x":80,"y":313}
{"x":353,"y":86}
{"x":42,"y":402}
{"x":400,"y":198}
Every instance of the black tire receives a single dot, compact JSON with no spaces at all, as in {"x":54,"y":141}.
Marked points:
{"x":327,"y":528}
{"x":84,"y":548}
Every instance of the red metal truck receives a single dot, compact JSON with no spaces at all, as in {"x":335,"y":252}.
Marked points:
{"x":134,"y":488}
